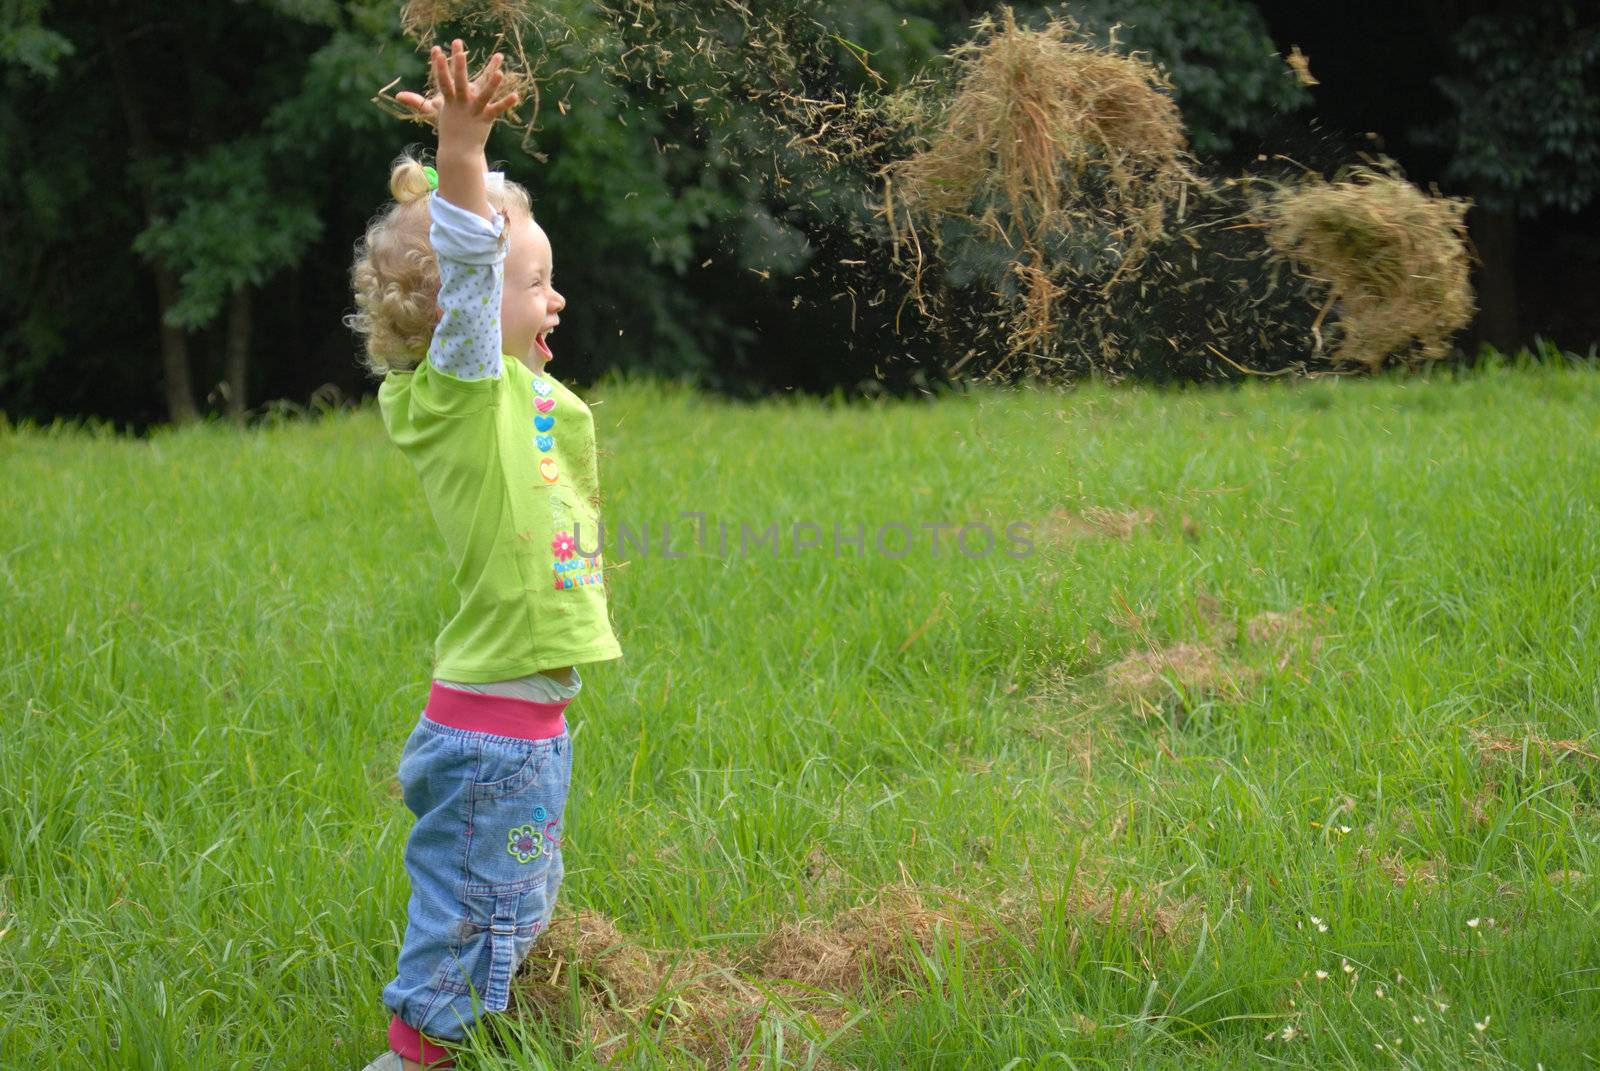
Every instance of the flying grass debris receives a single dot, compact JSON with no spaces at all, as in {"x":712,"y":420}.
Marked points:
{"x":1050,"y":147}
{"x":1035,"y":193}
{"x":1392,"y":259}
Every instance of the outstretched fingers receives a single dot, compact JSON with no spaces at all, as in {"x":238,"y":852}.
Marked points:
{"x":489,"y":80}
{"x":458,"y":71}
{"x":501,"y":106}
{"x":441,"y":72}
{"x":455,"y":89}
{"x":426,"y":107}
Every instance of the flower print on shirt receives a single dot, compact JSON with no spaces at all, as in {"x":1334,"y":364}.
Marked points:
{"x":563,"y":545}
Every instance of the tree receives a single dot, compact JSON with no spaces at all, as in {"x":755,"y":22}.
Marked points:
{"x":225,"y":154}
{"x":163,"y":214}
{"x":1524,"y":136}
{"x":224,"y":215}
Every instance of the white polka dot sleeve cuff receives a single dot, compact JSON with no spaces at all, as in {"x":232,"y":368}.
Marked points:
{"x":471,"y":255}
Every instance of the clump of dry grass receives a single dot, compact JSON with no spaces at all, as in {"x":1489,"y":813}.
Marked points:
{"x":1496,"y":747}
{"x":1212,"y":664}
{"x":1394,"y":260}
{"x":881,"y":941}
{"x":1287,"y":634}
{"x":1095,"y":522}
{"x":876,"y":940}
{"x":420,"y":19}
{"x":693,"y":1002}
{"x":1045,"y":138}
{"x":1196,"y":668}
{"x":1402,"y":871}
{"x":1272,"y":626}
{"x":712,"y":1006}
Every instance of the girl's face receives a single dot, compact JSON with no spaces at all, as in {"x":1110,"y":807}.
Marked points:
{"x":529,"y":303}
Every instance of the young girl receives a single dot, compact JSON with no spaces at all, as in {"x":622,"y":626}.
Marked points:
{"x":455,"y":301}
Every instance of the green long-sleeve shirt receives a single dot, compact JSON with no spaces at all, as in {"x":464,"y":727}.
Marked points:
{"x":508,"y":467}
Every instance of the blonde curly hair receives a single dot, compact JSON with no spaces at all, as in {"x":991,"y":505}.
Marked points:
{"x":395,"y":276}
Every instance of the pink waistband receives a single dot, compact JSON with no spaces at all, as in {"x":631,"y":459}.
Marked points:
{"x":410,"y":1042}
{"x":497,"y":715}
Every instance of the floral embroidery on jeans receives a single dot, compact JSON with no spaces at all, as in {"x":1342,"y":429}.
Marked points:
{"x":523,"y":844}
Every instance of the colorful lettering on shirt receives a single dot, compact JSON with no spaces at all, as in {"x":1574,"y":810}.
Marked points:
{"x":569,"y":571}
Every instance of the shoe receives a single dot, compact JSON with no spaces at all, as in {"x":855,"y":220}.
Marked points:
{"x":389,"y":1061}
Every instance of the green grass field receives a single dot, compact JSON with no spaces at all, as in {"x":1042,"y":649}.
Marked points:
{"x":1148,"y":814}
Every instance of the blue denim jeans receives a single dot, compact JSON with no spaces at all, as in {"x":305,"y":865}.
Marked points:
{"x":485,"y":865}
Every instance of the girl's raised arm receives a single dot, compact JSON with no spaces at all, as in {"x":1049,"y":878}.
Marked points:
{"x":464,"y":111}
{"x":466,"y":233}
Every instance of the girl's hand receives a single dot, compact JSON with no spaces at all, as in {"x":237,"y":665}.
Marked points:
{"x":464,"y":112}
{"x":461,"y":109}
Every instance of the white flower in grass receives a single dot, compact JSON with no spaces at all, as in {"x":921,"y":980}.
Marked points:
{"x":1289,"y":1033}
{"x":1417,"y":1019}
{"x":1322,"y":975}
{"x":1322,"y":927}
{"x":1481,"y":1027}
{"x":1472,"y":924}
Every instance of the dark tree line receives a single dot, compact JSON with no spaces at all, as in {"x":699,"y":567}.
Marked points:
{"x":185,"y":180}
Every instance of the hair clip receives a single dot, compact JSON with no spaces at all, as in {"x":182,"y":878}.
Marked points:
{"x":433,"y":177}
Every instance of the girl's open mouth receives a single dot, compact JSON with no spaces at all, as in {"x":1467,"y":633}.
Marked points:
{"x":544,"y":346}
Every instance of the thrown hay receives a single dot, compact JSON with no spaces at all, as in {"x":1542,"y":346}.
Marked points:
{"x":1194,"y":668}
{"x":1272,"y":626}
{"x":1095,"y":522}
{"x":878,"y":941}
{"x":1063,"y":152}
{"x":1393,"y":260}
{"x":1288,"y":635}
{"x":1402,"y":872}
{"x":1037,"y":209}
{"x":420,"y":20}
{"x":1494,"y":747}
{"x":685,"y":998}
{"x":713,"y":1006}
{"x":1223,"y":660}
